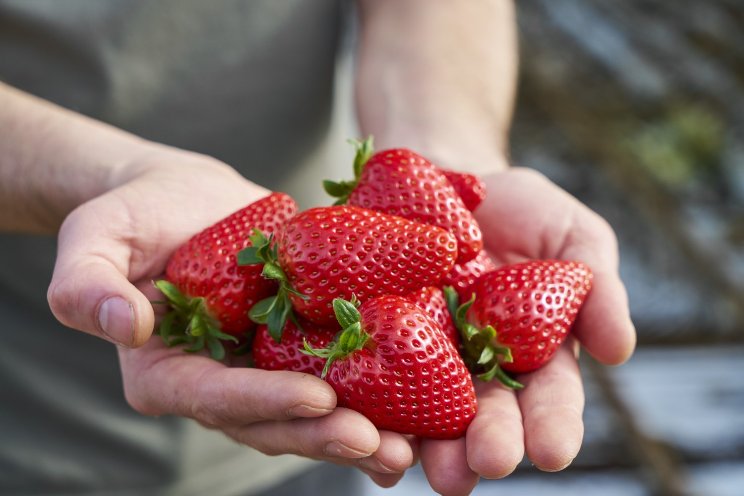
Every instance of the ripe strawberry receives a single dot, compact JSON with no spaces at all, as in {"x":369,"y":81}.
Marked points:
{"x":268,"y":354}
{"x":394,"y":365}
{"x":469,"y":187}
{"x":463,"y":276}
{"x":343,"y":251}
{"x":431,"y":300}
{"x":401,"y":182}
{"x":208,"y":292}
{"x":521,"y":314}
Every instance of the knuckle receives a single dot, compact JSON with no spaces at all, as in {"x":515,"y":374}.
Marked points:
{"x":140,"y":404}
{"x":60,"y":300}
{"x":205,"y":414}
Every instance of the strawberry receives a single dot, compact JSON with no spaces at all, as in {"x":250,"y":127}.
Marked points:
{"x":342,"y":251}
{"x":394,"y":365}
{"x":469,"y":187}
{"x":401,"y":182}
{"x":209,"y":294}
{"x":520,"y":315}
{"x":463,"y":276}
{"x":268,"y":354}
{"x":432,"y":300}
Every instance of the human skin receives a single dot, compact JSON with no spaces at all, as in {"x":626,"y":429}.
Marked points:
{"x":101,"y":191}
{"x":439,"y":77}
{"x":435,"y":76}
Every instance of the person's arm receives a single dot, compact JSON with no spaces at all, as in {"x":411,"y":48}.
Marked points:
{"x":120,"y":206}
{"x":53,"y":159}
{"x":439,"y":77}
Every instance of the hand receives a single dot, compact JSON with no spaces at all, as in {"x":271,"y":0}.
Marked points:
{"x":110,"y":250}
{"x":526,"y":216}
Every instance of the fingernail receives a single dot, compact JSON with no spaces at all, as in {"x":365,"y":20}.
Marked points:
{"x":307,"y":411}
{"x":116,"y":318}
{"x":336,"y":448}
{"x":372,"y":463}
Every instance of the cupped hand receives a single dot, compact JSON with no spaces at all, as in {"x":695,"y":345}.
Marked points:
{"x":109,"y":251}
{"x":525,"y":216}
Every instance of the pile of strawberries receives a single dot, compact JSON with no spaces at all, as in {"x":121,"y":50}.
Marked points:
{"x":367,"y":294}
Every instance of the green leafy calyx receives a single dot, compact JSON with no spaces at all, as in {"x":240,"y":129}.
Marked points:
{"x":342,"y":189}
{"x":352,"y":337}
{"x":189,"y":323}
{"x":483,"y":353}
{"x":274,"y":310}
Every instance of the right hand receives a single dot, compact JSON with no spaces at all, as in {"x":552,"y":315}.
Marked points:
{"x":110,"y":250}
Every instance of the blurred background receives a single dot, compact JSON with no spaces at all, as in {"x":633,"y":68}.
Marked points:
{"x":637,"y":108}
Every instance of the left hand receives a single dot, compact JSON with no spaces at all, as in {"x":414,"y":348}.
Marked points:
{"x":525,"y":216}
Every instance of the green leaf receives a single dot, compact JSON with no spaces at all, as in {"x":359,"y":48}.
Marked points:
{"x":317,"y":352}
{"x":174,"y":295}
{"x":258,"y":238}
{"x":364,"y":150}
{"x":216,"y":333}
{"x":249,"y":256}
{"x":293,"y":291}
{"x":452,"y":299}
{"x":277,"y":319}
{"x":196,"y":327}
{"x":507,"y":381}
{"x":273,"y":271}
{"x":196,"y":345}
{"x":490,"y":374}
{"x":216,"y":349}
{"x":346,"y":313}
{"x":166,"y":326}
{"x":469,"y":331}
{"x":259,"y":313}
{"x":505,"y":352}
{"x":337,"y":189}
{"x":176,"y":340}
{"x":487,"y":355}
{"x":348,"y":340}
{"x":462,"y":311}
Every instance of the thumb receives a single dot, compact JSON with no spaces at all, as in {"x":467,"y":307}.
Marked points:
{"x":90,"y":290}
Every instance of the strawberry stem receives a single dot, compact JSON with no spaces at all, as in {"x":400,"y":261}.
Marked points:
{"x":352,"y":338}
{"x":482,"y":352}
{"x":342,"y":189}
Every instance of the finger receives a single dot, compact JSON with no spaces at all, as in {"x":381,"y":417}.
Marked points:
{"x":495,"y":438}
{"x":552,"y":403}
{"x":341,"y":435}
{"x":89,"y":290}
{"x":604,"y":325}
{"x":395,"y":455}
{"x":446,"y":466}
{"x":198,"y":387}
{"x":383,"y":480}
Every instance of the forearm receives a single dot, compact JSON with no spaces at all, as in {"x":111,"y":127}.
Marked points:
{"x":52,"y":160}
{"x":439,"y":77}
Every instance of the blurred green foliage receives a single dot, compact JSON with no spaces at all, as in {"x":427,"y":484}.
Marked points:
{"x":682,"y":146}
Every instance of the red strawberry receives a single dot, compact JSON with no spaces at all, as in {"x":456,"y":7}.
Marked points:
{"x":342,"y":251}
{"x":209,"y":294}
{"x":401,"y":182}
{"x":463,"y":276}
{"x":431,"y":300}
{"x":469,"y":187}
{"x":521,"y":314}
{"x":394,"y":365}
{"x":268,"y":354}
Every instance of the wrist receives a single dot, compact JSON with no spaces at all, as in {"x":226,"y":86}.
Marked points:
{"x":479,"y":155}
